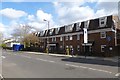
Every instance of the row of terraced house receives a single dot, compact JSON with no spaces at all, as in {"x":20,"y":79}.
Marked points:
{"x":103,"y":37}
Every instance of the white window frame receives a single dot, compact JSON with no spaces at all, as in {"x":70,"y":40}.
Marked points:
{"x":54,"y":38}
{"x":102,"y":47}
{"x":46,"y":32}
{"x":102,"y":19}
{"x":86,"y":24}
{"x":78,"y":36}
{"x":66,"y":38}
{"x":51,"y":31}
{"x":42,"y":33}
{"x":71,"y":46}
{"x":67,"y":46}
{"x":78,"y":26}
{"x":57,"y":30}
{"x":71,"y":37}
{"x":78,"y":47}
{"x":61,"y":38}
{"x":103,"y":33}
{"x":69,"y":28}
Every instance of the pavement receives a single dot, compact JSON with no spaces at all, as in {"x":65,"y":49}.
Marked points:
{"x":114,"y":59}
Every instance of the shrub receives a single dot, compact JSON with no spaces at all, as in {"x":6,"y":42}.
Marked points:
{"x":3,"y":45}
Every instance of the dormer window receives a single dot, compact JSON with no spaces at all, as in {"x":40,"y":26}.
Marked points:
{"x":102,"y":21}
{"x":46,"y":32}
{"x":57,"y":30}
{"x":42,"y":33}
{"x":86,"y":24}
{"x":69,"y":28}
{"x":78,"y":26}
{"x":51,"y":31}
{"x":38,"y":34}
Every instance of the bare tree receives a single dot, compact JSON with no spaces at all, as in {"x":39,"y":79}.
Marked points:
{"x":25,"y":35}
{"x":21,"y":32}
{"x":31,"y":39}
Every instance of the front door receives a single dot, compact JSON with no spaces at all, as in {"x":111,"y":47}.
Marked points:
{"x":88,"y":50}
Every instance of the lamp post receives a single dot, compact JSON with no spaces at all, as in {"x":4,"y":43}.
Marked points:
{"x":47,"y":36}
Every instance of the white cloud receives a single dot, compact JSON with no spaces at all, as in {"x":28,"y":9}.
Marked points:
{"x":37,"y":26}
{"x":7,"y":30}
{"x":73,"y":4}
{"x":37,"y":21}
{"x":31,"y":17}
{"x":100,"y":13}
{"x":12,"y":13}
{"x":67,"y":13}
{"x":42,"y":15}
{"x":2,"y":27}
{"x":40,"y":26}
{"x":70,"y":12}
{"x":109,"y":7}
{"x":107,"y":0}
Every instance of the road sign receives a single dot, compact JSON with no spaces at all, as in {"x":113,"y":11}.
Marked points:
{"x":108,"y":38}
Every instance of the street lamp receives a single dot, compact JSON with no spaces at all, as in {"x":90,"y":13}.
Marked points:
{"x":47,"y":37}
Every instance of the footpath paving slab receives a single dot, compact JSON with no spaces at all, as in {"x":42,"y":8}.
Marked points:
{"x":51,"y":54}
{"x":115,"y":59}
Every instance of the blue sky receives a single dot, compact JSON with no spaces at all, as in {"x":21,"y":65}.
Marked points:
{"x":58,"y":13}
{"x":29,"y":7}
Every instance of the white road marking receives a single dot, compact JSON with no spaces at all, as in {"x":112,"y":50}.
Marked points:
{"x":90,"y":68}
{"x":52,"y":61}
{"x":82,"y":67}
{"x":3,"y":57}
{"x":25,"y":56}
{"x":45,"y":60}
{"x":118,"y":74}
{"x":71,"y":65}
{"x":103,"y":71}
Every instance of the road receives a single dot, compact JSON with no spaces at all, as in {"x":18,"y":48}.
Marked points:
{"x":25,"y":65}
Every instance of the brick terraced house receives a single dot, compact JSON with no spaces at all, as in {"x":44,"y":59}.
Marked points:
{"x":103,"y":37}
